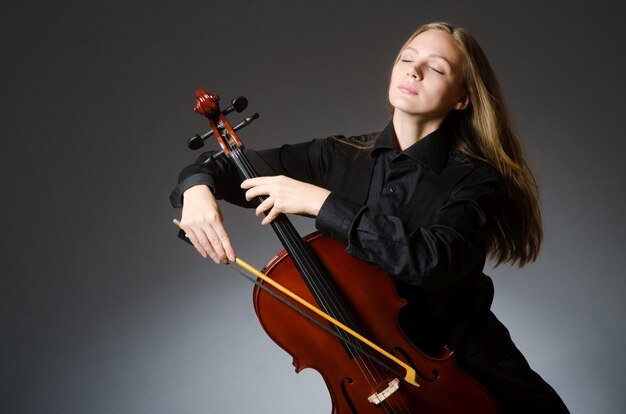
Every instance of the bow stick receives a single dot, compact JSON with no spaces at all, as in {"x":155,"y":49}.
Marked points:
{"x":410,"y":375}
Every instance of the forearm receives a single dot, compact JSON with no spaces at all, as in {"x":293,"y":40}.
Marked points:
{"x":305,"y":162}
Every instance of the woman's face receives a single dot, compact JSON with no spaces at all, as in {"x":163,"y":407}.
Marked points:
{"x":427,"y":80}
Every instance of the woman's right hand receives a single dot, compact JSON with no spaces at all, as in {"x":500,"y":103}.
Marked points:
{"x":203,"y":224}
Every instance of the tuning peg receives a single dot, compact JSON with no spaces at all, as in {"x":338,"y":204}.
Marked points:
{"x":197,"y":141}
{"x":238,"y":104}
{"x":246,"y":122}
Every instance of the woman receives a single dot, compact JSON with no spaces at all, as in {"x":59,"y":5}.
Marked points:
{"x":426,"y":200}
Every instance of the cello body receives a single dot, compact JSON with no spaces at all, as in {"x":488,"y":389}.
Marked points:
{"x":444,"y":388}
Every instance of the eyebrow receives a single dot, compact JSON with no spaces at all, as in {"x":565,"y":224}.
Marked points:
{"x":431,"y":55}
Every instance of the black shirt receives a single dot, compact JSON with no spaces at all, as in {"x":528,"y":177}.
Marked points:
{"x":422,"y":215}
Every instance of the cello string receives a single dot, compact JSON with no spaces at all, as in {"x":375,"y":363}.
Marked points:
{"x":320,"y":285}
{"x":318,"y":322}
{"x":336,"y":309}
{"x":322,"y":291}
{"x":294,"y":242}
{"x":232,"y":146}
{"x":227,"y":132}
{"x":365,"y":364}
{"x":286,"y":233}
{"x":363,"y":359}
{"x":248,"y":171}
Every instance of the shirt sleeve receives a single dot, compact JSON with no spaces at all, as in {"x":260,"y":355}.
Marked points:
{"x":306,"y":162}
{"x":433,"y":256}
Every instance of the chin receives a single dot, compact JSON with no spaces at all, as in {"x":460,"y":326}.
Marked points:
{"x":403,"y":107}
{"x":401,"y":103}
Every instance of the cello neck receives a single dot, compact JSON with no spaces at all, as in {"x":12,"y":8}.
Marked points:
{"x":313,"y":273}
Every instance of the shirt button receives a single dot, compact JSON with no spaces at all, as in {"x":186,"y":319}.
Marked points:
{"x":392,"y":189}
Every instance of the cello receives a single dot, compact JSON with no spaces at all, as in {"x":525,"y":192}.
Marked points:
{"x":307,"y":301}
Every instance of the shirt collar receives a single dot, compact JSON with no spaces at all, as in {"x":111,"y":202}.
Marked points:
{"x":432,"y":150}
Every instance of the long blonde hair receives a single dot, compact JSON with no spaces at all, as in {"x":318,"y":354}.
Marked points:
{"x":483,"y":131}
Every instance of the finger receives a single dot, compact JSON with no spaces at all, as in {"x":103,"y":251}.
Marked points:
{"x":253,"y":182}
{"x":274,"y":212}
{"x":212,"y":253}
{"x":247,"y":183}
{"x":215,"y":243}
{"x":260,"y":190}
{"x":203,"y":244}
{"x":225,"y":242}
{"x":264,"y":206}
{"x":196,"y":242}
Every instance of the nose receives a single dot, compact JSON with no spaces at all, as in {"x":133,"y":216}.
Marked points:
{"x":415,"y":72}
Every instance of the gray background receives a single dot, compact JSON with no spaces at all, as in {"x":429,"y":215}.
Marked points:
{"x":103,"y":310}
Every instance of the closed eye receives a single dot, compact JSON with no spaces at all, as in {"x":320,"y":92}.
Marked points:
{"x":436,"y":70}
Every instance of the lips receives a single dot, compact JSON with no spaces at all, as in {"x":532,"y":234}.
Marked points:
{"x":408,"y":89}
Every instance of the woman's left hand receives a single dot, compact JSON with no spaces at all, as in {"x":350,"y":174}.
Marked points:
{"x":284,"y":195}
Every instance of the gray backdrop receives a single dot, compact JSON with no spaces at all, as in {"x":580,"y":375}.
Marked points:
{"x":103,"y":310}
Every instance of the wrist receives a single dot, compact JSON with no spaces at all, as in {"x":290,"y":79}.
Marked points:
{"x":197,"y":189}
{"x":319,"y":200}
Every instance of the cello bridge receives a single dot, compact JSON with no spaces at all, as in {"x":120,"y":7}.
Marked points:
{"x":379,"y":397}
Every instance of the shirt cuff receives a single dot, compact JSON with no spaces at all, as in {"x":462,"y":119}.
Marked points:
{"x":176,"y":198}
{"x":336,"y":216}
